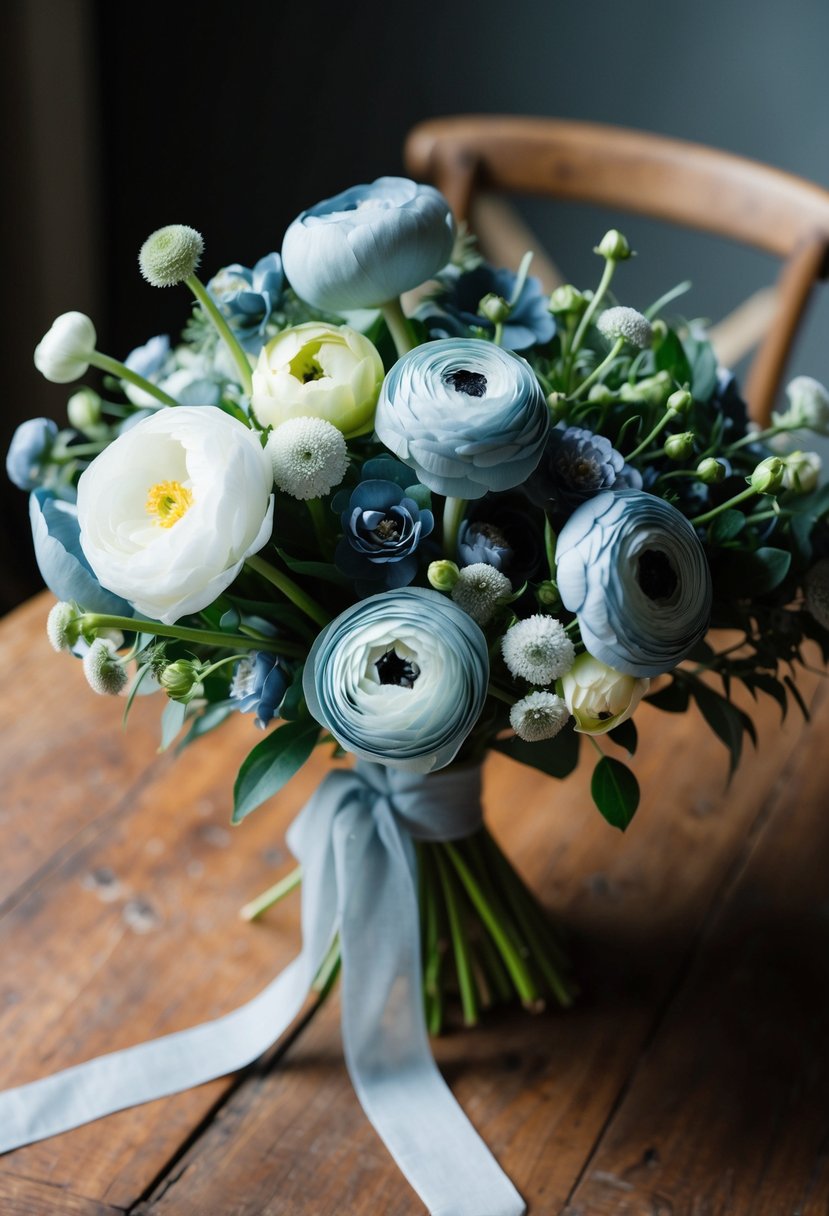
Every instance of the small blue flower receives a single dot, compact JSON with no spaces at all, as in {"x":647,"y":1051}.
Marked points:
{"x":65,"y":570}
{"x":479,"y":542}
{"x":466,"y":415}
{"x":577,"y":464}
{"x":634,"y":571}
{"x":259,"y":685}
{"x":29,"y":451}
{"x":382,"y":529}
{"x":455,"y":311}
{"x":399,"y":679}
{"x":248,"y":297}
{"x":366,"y":246}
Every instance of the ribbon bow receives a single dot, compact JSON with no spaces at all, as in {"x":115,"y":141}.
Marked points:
{"x":354,"y":839}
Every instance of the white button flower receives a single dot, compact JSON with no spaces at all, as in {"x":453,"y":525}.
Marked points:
{"x":170,"y":510}
{"x":64,"y":353}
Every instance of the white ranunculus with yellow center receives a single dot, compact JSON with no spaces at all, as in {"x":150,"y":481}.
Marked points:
{"x":598,"y":697}
{"x":318,"y":371}
{"x":170,"y":510}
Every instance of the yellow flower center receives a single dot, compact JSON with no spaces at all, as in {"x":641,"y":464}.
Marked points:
{"x":168,"y":501}
{"x":305,"y":365}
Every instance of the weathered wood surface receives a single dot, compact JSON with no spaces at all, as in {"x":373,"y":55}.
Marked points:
{"x":691,"y":1078}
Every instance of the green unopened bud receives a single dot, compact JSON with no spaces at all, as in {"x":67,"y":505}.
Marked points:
{"x":680,"y":401}
{"x":181,"y":680}
{"x":767,"y":478}
{"x":652,"y":390}
{"x":711,"y":471}
{"x":614,"y":246}
{"x":600,"y":394}
{"x":659,"y":331}
{"x":62,"y":628}
{"x":567,"y":299}
{"x":84,"y":409}
{"x":547,"y":594}
{"x":494,"y":308}
{"x":170,"y":255}
{"x":442,"y":575}
{"x":557,"y":403}
{"x":679,"y":447}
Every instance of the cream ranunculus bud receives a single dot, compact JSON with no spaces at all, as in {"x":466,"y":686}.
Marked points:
{"x":598,"y":697}
{"x":442,"y":575}
{"x":614,"y":246}
{"x":808,"y":406}
{"x":567,"y":299}
{"x":63,"y":354}
{"x":802,"y":472}
{"x":171,"y":509}
{"x":494,"y":308}
{"x":83,"y":409}
{"x":318,"y":371}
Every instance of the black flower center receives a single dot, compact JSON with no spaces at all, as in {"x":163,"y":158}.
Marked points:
{"x":471,"y":383}
{"x":388,"y":529}
{"x":392,"y":669}
{"x":657,"y":577}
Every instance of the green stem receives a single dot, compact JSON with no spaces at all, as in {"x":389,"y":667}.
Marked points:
{"x":121,"y":372}
{"x":289,"y":588}
{"x":589,"y":312}
{"x":550,"y":539}
{"x":597,"y":371}
{"x":433,"y":952}
{"x":453,"y":510}
{"x":501,"y":694}
{"x":76,"y":451}
{"x":660,"y":426}
{"x":756,"y":437}
{"x":460,"y":945}
{"x":398,"y":327}
{"x":319,"y":519}
{"x":517,"y":968}
{"x":202,"y":637}
{"x":749,"y":492}
{"x":328,"y":972}
{"x":267,"y":899}
{"x":498,"y":336}
{"x":223,"y":329}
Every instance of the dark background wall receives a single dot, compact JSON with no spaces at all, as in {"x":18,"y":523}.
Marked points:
{"x":120,"y":117}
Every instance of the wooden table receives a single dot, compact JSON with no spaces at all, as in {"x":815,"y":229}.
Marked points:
{"x":691,"y":1078}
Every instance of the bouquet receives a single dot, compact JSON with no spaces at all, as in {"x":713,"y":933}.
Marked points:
{"x":496,"y":520}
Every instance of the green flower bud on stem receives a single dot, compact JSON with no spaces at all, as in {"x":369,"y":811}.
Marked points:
{"x":567,"y":300}
{"x":84,"y":409}
{"x":767,"y":478}
{"x":181,"y":680}
{"x":680,"y":401}
{"x":679,"y":447}
{"x":600,"y":394}
{"x":711,"y":471}
{"x":547,"y":594}
{"x":442,"y":575}
{"x":614,"y":246}
{"x":557,"y":403}
{"x":170,"y":255}
{"x":494,"y":308}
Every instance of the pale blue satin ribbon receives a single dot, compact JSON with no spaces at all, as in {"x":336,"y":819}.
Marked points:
{"x":354,"y":841}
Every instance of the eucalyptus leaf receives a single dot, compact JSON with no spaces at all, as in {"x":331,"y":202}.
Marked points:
{"x":703,"y":362}
{"x":725,"y":526}
{"x":271,"y":764}
{"x":615,"y":792}
{"x":172,"y":720}
{"x":211,"y":717}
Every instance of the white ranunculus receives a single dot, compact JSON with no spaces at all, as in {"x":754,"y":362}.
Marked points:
{"x":63,"y":354}
{"x":318,"y":371}
{"x":171,"y":509}
{"x":598,"y":697}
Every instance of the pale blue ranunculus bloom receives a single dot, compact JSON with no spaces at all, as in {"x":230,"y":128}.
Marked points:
{"x":369,"y":244}
{"x":466,"y":415}
{"x":634,"y":571}
{"x":29,"y":450}
{"x":65,"y":570}
{"x":399,"y":679}
{"x":247,"y":297}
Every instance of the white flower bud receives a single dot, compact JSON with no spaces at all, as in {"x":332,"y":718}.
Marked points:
{"x":104,"y":671}
{"x":625,"y":323}
{"x":802,"y":471}
{"x":61,"y":628}
{"x":598,"y":697}
{"x":170,"y":255}
{"x":540,"y":715}
{"x":808,"y":406}
{"x":479,"y":590}
{"x":537,"y":649}
{"x":63,"y":354}
{"x":309,"y":457}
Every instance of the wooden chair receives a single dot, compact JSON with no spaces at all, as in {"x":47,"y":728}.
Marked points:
{"x":667,"y":179}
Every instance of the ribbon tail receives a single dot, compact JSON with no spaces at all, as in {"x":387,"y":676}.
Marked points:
{"x":384,"y":1033}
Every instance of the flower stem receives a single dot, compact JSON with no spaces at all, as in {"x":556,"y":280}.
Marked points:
{"x":749,"y":492}
{"x":460,"y":944}
{"x":500,"y":694}
{"x":453,"y":510}
{"x":597,"y":371}
{"x":121,"y":372}
{"x":550,"y":539}
{"x":398,"y":327}
{"x":202,"y":637}
{"x":590,"y":311}
{"x":267,"y":899}
{"x":289,"y":588}
{"x":223,"y":329}
{"x":320,"y":523}
{"x":660,"y":426}
{"x":756,"y":437}
{"x":498,"y":336}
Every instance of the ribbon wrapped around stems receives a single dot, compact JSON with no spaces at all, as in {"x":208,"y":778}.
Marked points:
{"x":354,"y":839}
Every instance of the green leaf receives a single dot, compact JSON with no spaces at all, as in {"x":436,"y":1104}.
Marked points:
{"x":556,"y":757}
{"x":322,"y":570}
{"x":772,"y":688}
{"x":745,"y":574}
{"x":700,"y":354}
{"x":230,"y":620}
{"x":724,"y":719}
{"x":615,"y":792}
{"x":172,"y":720}
{"x":726,"y":526}
{"x":293,"y":701}
{"x":670,"y":357}
{"x":271,"y":764}
{"x":672,"y":699}
{"x":625,"y":735}
{"x":211,"y":717}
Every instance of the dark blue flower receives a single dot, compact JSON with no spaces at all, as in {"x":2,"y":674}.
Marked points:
{"x":29,"y":451}
{"x":479,"y":541}
{"x":453,"y":313}
{"x":382,"y":529}
{"x":248,"y":297}
{"x":577,"y":464}
{"x":259,"y":685}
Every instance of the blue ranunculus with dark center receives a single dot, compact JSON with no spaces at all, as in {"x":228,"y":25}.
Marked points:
{"x":29,"y":451}
{"x":259,"y":685}
{"x":248,"y":297}
{"x":455,"y":311}
{"x":383,"y":528}
{"x":577,"y":464}
{"x":479,"y":541}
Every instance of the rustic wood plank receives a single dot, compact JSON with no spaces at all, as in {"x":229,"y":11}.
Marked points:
{"x":728,"y":1111}
{"x":26,"y":1197}
{"x":540,"y":1090}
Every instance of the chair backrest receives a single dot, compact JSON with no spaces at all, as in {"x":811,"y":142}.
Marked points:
{"x":667,"y":179}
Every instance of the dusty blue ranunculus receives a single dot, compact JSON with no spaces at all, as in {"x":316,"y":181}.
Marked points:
{"x":28,"y":450}
{"x":576,"y":465}
{"x":634,"y":571}
{"x":382,"y":529}
{"x":248,"y":297}
{"x":65,"y":570}
{"x":259,"y":685}
{"x":399,"y":679}
{"x":455,"y":311}
{"x":466,"y":415}
{"x":479,"y":542}
{"x":369,"y":244}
